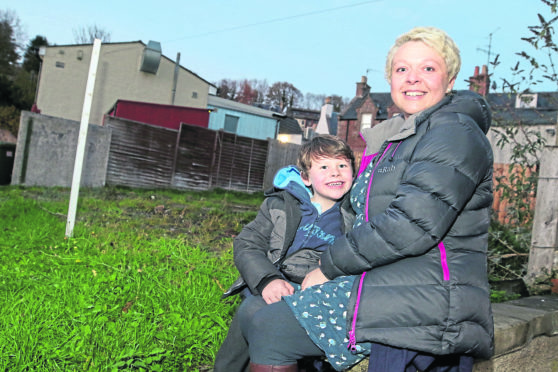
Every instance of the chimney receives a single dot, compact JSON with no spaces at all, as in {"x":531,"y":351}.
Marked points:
{"x":480,"y":83}
{"x":362,"y":88}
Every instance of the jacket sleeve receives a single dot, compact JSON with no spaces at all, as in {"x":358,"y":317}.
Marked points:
{"x":448,"y":163}
{"x":251,"y":248}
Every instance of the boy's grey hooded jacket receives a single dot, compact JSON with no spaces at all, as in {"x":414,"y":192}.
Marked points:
{"x":424,"y":247}
{"x":260,"y":249}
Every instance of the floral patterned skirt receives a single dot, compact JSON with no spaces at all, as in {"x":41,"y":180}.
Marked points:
{"x":322,"y":311}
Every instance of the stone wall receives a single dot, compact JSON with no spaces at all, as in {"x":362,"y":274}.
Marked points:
{"x":525,"y":337}
{"x":46,"y":150}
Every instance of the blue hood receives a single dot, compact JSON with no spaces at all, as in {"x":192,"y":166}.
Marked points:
{"x":289,"y":179}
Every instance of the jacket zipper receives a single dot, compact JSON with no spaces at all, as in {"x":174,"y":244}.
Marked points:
{"x":444,"y":260}
{"x":352,"y":332}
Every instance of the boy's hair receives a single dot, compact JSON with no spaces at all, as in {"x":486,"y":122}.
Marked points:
{"x":323,"y":145}
{"x":436,"y":39}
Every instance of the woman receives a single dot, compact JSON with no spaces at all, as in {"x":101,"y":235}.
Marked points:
{"x":408,"y":285}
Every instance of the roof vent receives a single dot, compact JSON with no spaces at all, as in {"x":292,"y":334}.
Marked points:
{"x":526,"y":100}
{"x":151,"y":57}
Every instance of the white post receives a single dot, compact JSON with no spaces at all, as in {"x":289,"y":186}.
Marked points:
{"x":82,"y":138}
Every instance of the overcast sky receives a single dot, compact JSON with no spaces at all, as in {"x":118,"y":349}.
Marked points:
{"x":320,"y":46}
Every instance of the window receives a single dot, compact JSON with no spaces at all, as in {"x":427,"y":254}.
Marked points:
{"x":231,"y":123}
{"x":194,"y":95}
{"x":365,"y":121}
{"x":526,"y":100}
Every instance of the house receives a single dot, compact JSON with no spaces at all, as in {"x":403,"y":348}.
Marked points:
{"x":126,"y":71}
{"x":307,"y":119}
{"x":327,"y":124}
{"x":7,"y":136}
{"x":530,"y":112}
{"x":365,"y":110}
{"x":290,"y":131}
{"x":242,"y":119}
{"x":167,"y":116}
{"x":535,"y":111}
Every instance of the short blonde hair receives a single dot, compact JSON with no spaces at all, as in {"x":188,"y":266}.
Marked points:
{"x":435,"y":39}
{"x":323,"y":145}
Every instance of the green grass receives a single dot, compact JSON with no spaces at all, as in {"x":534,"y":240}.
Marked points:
{"x":137,"y":287}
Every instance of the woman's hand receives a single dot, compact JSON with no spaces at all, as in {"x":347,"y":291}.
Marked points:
{"x":314,"y":277}
{"x":275,"y":290}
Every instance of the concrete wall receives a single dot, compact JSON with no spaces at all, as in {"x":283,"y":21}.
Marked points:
{"x":46,"y":151}
{"x":65,"y":70}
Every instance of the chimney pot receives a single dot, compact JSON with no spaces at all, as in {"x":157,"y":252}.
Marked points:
{"x":480,"y":82}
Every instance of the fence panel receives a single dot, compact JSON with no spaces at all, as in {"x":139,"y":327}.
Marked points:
{"x":279,"y":156}
{"x":239,"y":163}
{"x":194,"y":158}
{"x":140,"y":155}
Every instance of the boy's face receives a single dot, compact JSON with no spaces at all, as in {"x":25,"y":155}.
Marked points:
{"x":330,"y":178}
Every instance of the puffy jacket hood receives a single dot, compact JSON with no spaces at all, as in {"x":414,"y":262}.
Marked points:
{"x":463,"y":102}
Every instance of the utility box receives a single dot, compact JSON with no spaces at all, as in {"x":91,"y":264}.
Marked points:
{"x":7,"y":154}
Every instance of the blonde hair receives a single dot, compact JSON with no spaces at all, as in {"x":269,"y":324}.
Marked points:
{"x":436,"y":39}
{"x":324,"y":145}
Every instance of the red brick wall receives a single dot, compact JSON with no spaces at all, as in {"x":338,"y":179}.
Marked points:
{"x":349,"y":130}
{"x":499,"y":205}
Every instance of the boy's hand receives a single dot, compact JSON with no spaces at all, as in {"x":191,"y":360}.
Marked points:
{"x":314,"y":277}
{"x":275,"y":289}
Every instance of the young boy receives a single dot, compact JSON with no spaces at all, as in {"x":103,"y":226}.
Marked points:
{"x":302,"y":214}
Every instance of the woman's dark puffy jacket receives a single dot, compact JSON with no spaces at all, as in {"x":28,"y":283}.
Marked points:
{"x":425,"y":245}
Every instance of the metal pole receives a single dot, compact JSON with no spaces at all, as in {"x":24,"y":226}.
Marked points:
{"x":175,"y":79}
{"x":82,"y":138}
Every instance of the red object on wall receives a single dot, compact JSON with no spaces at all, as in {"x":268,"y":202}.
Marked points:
{"x":167,"y":116}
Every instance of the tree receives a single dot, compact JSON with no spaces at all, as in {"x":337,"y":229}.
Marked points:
{"x":509,"y":244}
{"x":9,"y":56}
{"x":227,"y":88}
{"x":313,"y":101}
{"x":88,"y":34}
{"x":541,"y":40}
{"x":260,"y":88}
{"x":284,"y":95}
{"x":246,"y":94}
{"x":31,"y":60}
{"x":339,"y":103}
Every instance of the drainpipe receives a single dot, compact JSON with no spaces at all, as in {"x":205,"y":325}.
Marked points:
{"x":175,"y":80}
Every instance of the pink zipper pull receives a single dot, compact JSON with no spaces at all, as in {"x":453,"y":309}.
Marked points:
{"x":352,"y":341}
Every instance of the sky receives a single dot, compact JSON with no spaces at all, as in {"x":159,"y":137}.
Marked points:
{"x":319,"y":46}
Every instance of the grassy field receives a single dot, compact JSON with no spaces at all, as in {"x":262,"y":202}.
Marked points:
{"x":137,"y":287}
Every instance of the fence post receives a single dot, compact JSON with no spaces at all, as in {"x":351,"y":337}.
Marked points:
{"x":543,"y":256}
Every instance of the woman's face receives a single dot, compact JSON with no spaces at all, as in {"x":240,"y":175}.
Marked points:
{"x":419,"y":77}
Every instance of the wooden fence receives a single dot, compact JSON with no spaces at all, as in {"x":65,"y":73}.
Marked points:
{"x":143,"y":155}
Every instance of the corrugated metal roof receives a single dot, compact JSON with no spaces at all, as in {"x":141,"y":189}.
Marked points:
{"x":289,"y":126}
{"x":241,"y":107}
